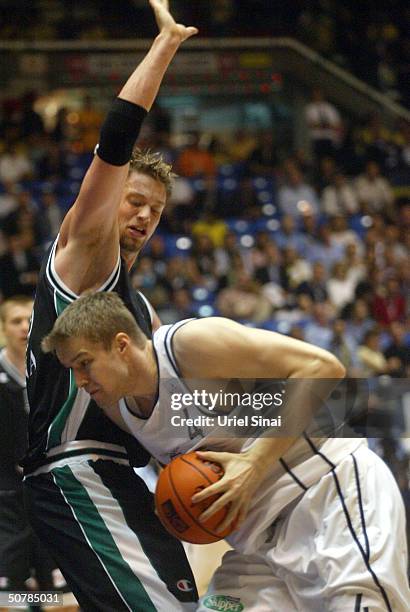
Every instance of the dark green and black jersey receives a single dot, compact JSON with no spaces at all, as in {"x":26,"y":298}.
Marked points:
{"x":63,"y":419}
{"x":13,"y":423}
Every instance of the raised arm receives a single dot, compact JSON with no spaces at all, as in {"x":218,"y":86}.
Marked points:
{"x":88,"y":244}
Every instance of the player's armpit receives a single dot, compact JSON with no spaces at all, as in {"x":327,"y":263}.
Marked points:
{"x":84,"y":265}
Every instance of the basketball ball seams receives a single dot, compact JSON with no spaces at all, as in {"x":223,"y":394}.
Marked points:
{"x":192,"y":517}
{"x":184,"y":476}
{"x":197,"y":469}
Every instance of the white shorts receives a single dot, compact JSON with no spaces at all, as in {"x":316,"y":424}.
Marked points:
{"x":340,"y":547}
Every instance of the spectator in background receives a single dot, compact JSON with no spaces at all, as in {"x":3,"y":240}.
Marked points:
{"x":356,"y":268}
{"x":315,"y":288}
{"x":358,"y":320}
{"x":372,"y":362}
{"x":265,"y":260}
{"x":240,"y":148}
{"x":209,"y":225}
{"x":88,"y":126}
{"x":324,"y":249}
{"x":389,"y":303}
{"x":195,"y":161}
{"x":325,"y":126}
{"x":18,"y":269}
{"x":395,"y":241}
{"x":15,"y":165}
{"x":397,"y":352}
{"x":310,"y":230}
{"x":342,"y":235}
{"x":182,"y":206}
{"x":344,"y":347}
{"x":51,"y":164}
{"x":24,"y":217}
{"x":226,"y":254}
{"x":374,"y":191}
{"x":51,"y":216}
{"x":8,"y":199}
{"x":181,"y":272}
{"x":340,"y":286}
{"x":158,"y":254}
{"x":263,"y":158}
{"x":31,"y":122}
{"x":296,"y":197}
{"x":203,"y":254}
{"x":374,"y":142}
{"x":288,"y":235}
{"x":323,"y":173}
{"x":339,"y":198}
{"x":297,"y":332}
{"x":294,"y":269}
{"x":179,"y":307}
{"x":243,"y":300}
{"x":318,"y":331}
{"x":59,"y":133}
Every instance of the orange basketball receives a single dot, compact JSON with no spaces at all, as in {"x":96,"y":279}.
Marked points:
{"x":177,"y":483}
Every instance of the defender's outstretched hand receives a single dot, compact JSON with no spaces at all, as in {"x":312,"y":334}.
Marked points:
{"x":166,"y":22}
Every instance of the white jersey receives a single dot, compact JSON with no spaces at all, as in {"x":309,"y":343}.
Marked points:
{"x":302,"y":466}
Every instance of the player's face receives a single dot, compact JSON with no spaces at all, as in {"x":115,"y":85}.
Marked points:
{"x":100,"y":372}
{"x":16,"y":326}
{"x":143,"y":201}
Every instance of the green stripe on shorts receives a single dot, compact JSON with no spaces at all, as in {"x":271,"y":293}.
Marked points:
{"x":102,"y":542}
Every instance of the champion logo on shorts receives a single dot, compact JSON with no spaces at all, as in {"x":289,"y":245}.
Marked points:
{"x":185,"y":585}
{"x":223,"y":603}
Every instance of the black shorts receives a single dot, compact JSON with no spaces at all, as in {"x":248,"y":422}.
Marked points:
{"x":97,"y":519}
{"x":21,"y":553}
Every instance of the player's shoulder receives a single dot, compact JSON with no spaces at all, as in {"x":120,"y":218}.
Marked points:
{"x":4,"y":377}
{"x":200,"y":338}
{"x":203,"y":329}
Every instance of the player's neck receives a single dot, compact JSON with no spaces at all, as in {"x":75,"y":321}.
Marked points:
{"x":16,"y":358}
{"x":129,"y":257}
{"x":145,"y":375}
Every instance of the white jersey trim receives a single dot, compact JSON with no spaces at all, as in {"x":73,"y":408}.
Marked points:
{"x":74,"y":460}
{"x":148,"y":305}
{"x":80,"y":444}
{"x":77,"y":413}
{"x":64,"y":291}
{"x":89,"y":542}
{"x":11,"y":370}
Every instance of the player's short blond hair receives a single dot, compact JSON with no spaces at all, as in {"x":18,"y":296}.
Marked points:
{"x":15,"y":300}
{"x":97,"y":317}
{"x":152,"y":164}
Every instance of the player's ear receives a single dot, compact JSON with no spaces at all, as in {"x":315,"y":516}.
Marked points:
{"x":121,"y":342}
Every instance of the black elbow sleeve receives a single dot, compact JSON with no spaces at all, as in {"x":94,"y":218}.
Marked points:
{"x":119,"y":132}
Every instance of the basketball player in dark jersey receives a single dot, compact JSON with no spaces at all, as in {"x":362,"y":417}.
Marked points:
{"x":22,"y":556}
{"x":85,"y":501}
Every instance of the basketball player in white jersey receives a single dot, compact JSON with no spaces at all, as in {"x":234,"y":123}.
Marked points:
{"x":321,"y":522}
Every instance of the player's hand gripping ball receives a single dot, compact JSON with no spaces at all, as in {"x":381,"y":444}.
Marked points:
{"x":177,"y":483}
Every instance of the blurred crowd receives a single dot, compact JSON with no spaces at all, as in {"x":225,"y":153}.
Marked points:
{"x":369,"y":39}
{"x":311,"y":243}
